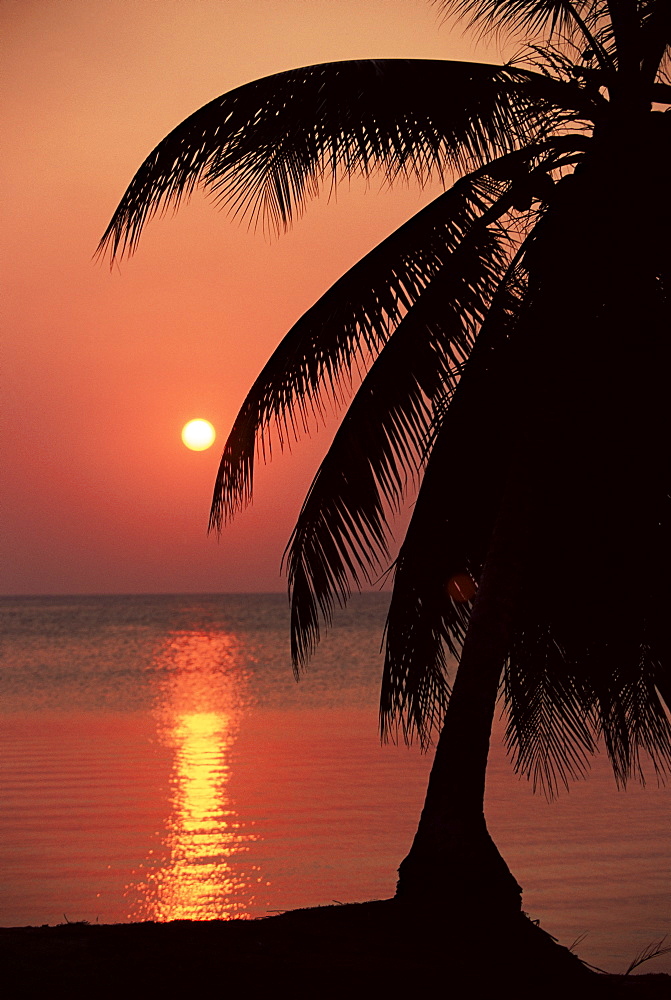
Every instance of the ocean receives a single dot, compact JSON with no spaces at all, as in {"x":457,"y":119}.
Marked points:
{"x":159,"y":761}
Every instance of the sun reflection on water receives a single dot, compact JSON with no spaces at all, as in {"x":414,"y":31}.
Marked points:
{"x":200,"y":872}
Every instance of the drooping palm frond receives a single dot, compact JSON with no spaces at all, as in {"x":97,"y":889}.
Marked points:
{"x":631,"y":718}
{"x":550,"y":733}
{"x":561,"y":701}
{"x":342,"y":529}
{"x":267,"y":147}
{"x":349,"y":324}
{"x":352,"y":321}
{"x":450,"y":529}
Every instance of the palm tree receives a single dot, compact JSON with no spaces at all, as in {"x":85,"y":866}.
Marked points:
{"x":512,"y":340}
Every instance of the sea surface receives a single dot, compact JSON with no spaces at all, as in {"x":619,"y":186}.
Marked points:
{"x":159,"y":761}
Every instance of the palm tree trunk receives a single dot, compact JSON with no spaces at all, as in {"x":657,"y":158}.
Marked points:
{"x":453,"y":858}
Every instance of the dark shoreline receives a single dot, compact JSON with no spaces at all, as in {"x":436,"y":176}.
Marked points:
{"x":373,"y":949}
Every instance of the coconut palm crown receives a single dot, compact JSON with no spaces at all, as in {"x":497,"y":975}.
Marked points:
{"x":513,"y":340}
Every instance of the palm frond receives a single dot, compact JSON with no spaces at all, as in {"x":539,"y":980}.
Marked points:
{"x":352,"y":321}
{"x":550,"y":730}
{"x":581,"y":28}
{"x":551,"y":17}
{"x":348,"y":325}
{"x":267,"y":147}
{"x":450,"y":528}
{"x":630,"y":716}
{"x":562,"y":698}
{"x":342,"y":529}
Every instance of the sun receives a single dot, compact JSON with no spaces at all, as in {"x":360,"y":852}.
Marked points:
{"x":198,"y":434}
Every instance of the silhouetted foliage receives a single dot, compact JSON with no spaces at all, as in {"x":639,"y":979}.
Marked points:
{"x":515,"y":330}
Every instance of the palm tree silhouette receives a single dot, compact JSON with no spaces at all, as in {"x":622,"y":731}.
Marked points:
{"x":514,"y":340}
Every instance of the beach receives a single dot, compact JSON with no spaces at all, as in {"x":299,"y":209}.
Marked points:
{"x":353,"y":950}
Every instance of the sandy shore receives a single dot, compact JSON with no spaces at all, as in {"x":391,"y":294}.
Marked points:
{"x":375,"y":949}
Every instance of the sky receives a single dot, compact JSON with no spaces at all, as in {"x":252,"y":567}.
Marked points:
{"x":101,"y":366}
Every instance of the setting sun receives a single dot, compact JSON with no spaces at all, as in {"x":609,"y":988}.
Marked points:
{"x":198,"y":434}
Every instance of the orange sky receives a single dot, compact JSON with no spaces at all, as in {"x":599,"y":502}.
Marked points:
{"x":101,"y":369}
